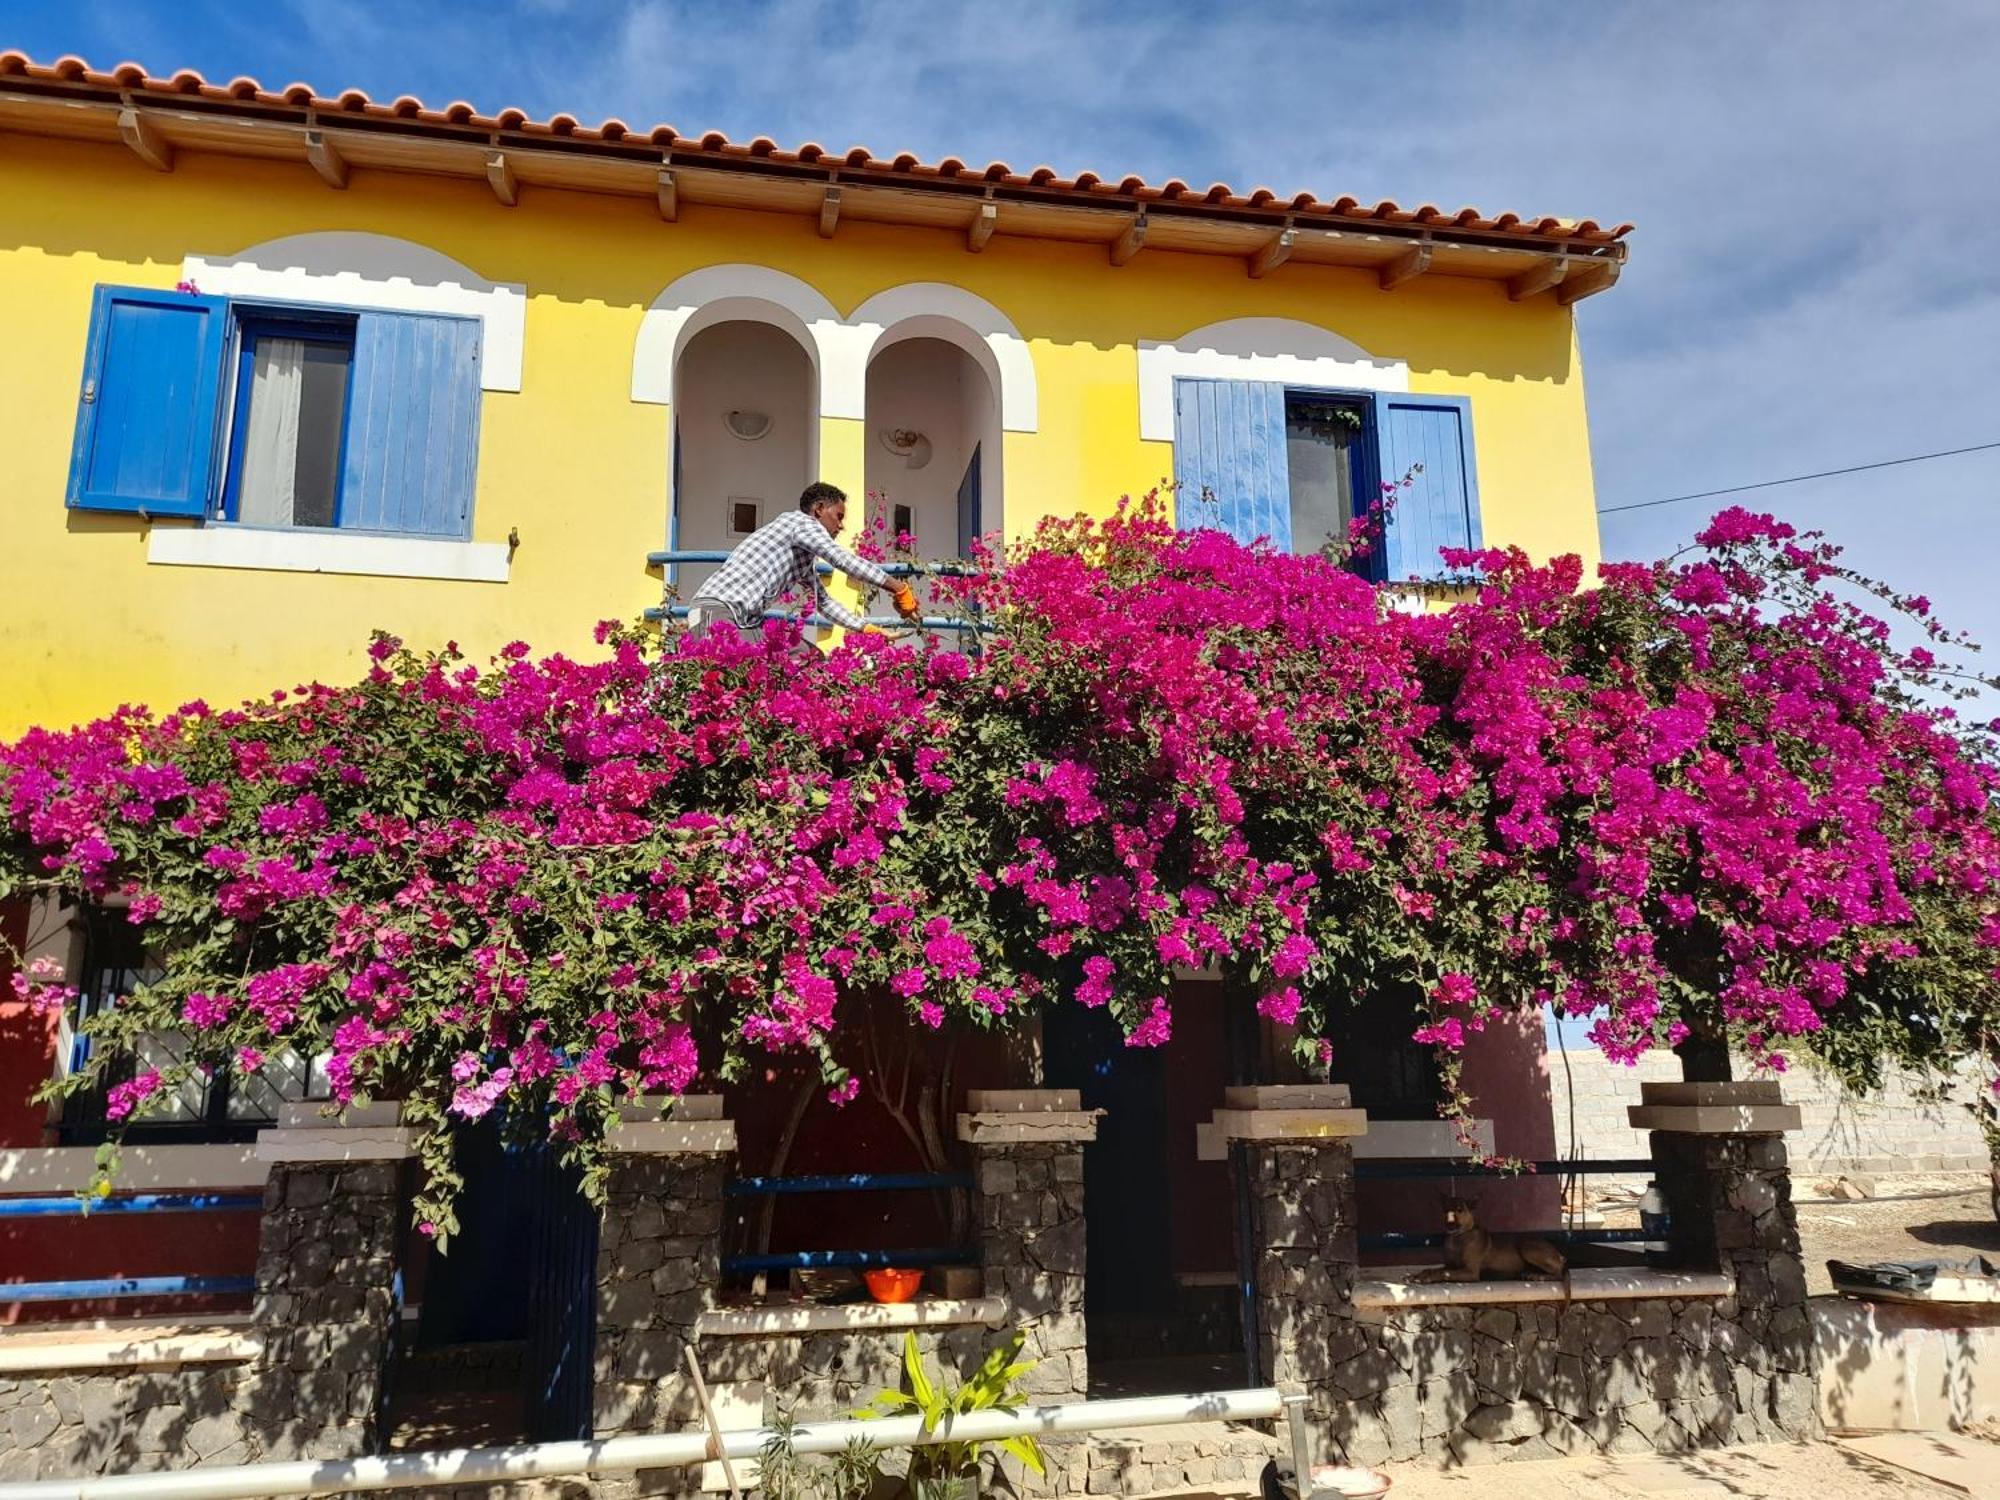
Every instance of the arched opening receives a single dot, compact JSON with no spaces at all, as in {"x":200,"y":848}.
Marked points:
{"x":745,"y":439}
{"x":933,"y":464}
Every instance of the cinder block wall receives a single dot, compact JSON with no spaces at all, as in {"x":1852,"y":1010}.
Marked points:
{"x":1891,"y":1132}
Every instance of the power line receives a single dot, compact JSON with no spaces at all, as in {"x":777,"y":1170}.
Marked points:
{"x":1887,"y":463}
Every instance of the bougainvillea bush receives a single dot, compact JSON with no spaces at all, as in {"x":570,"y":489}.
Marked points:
{"x":1712,"y":799}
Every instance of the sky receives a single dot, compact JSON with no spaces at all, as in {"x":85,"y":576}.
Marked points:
{"x":1810,"y":286}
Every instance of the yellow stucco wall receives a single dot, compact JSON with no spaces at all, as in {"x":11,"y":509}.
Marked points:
{"x":570,"y":460}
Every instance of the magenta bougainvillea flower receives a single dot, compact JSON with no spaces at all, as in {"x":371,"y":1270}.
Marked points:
{"x":1713,"y":797}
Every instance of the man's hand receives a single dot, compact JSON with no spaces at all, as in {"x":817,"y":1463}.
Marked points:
{"x":906,"y":601}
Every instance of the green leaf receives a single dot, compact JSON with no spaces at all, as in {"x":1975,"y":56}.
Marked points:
{"x":1028,"y":1451}
{"x":920,"y":1386}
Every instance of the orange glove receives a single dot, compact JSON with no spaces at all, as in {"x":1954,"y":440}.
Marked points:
{"x":906,"y":601}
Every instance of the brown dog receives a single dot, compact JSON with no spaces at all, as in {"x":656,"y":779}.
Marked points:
{"x":1475,"y":1254}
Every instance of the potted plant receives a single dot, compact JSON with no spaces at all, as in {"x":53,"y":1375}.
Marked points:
{"x":950,"y":1470}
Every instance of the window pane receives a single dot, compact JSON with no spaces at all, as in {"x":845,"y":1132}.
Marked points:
{"x":322,"y":403}
{"x":1320,"y":442}
{"x":292,"y":432}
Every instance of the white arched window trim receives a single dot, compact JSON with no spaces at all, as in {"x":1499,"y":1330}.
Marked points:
{"x":1287,"y":350}
{"x":354,"y":268}
{"x":939,"y":310}
{"x":734,"y":292}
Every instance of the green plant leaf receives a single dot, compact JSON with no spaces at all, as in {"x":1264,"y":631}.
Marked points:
{"x":921,"y":1389}
{"x":1028,"y":1451}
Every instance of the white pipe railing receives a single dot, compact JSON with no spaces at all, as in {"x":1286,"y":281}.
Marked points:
{"x":622,"y":1455}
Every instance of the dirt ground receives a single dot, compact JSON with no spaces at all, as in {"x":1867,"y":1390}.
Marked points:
{"x":1807,"y":1471}
{"x":1939,"y":1226}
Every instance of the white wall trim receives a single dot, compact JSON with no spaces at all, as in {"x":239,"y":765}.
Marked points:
{"x":222,"y":546}
{"x":939,"y":310}
{"x":1284,"y":349}
{"x":715,"y":294}
{"x":141,"y":1169}
{"x":352,"y":268}
{"x":135,"y":1344}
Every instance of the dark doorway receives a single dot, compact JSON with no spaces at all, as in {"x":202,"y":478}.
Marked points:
{"x":1129,"y":1266}
{"x":1159,"y":1295}
{"x":504,"y":1335}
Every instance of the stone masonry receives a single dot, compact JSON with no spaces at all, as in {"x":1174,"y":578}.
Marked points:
{"x":659,"y":1264}
{"x":68,"y":1423}
{"x":1471,"y":1383}
{"x":1730,"y":1197}
{"x":325,"y":1307}
{"x":1303,"y":1239}
{"x":1029,"y":1206}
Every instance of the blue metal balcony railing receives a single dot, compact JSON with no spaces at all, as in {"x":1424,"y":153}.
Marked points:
{"x":669,"y":562}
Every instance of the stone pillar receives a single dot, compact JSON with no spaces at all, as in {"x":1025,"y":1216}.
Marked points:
{"x":1719,"y":1150}
{"x":659,"y":1267}
{"x":1027,"y":1157}
{"x":328,"y":1296}
{"x":1292,"y":1146}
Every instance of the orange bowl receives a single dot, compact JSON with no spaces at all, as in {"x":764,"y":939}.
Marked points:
{"x":891,"y":1284}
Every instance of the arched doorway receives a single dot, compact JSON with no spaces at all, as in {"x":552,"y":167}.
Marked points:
{"x":745,"y":438}
{"x":933,"y":444}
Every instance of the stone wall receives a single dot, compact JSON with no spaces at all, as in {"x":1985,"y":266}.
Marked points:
{"x":833,"y":1372}
{"x":1469,"y":1385}
{"x":325,"y":1306}
{"x":1894,"y":1131}
{"x":61,"y":1424}
{"x":1731,"y":1201}
{"x":1462,"y":1382}
{"x":1302,"y":1213}
{"x":659,"y":1265}
{"x":324,"y":1315}
{"x":1029,"y":1207}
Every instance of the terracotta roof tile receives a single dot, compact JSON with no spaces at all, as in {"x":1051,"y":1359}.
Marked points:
{"x":134,"y":78}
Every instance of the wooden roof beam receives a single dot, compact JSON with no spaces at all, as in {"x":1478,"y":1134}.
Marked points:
{"x":829,"y":213}
{"x":1408,"y":266}
{"x":1131,"y":241}
{"x":144,"y":137}
{"x":1273,"y":255}
{"x":500,"y":177}
{"x":980,"y":230}
{"x":326,"y":159}
{"x":1538,"y":278}
{"x":1597,"y":276}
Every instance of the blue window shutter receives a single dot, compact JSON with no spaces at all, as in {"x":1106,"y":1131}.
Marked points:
{"x":1229,"y":459}
{"x":412,"y":425}
{"x":1441,"y":506}
{"x":146,"y":417}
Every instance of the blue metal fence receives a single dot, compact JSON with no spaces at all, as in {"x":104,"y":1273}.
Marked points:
{"x":114,"y":1288}
{"x":849,"y":1182}
{"x":72,"y":1206}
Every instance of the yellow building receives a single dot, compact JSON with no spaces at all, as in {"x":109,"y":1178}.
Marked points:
{"x":280,"y":369}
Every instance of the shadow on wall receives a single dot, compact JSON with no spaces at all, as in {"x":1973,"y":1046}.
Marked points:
{"x":1906,"y":1369}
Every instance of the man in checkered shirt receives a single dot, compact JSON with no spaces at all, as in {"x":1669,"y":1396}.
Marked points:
{"x":778,"y":559}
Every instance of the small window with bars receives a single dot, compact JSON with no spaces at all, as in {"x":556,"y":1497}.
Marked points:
{"x":223,"y":1105}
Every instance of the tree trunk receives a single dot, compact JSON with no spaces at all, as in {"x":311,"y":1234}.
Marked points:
{"x":1704,"y":1059}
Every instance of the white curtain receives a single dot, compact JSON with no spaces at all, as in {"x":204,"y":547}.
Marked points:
{"x":271,"y":440}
